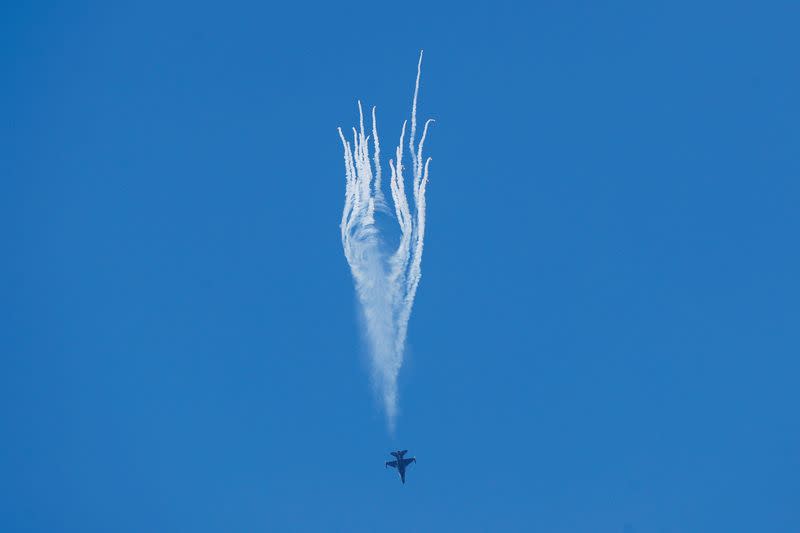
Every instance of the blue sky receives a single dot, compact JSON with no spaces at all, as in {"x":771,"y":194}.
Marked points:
{"x":605,"y":336}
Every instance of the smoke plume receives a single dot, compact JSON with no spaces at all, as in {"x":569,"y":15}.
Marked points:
{"x":386,"y":278}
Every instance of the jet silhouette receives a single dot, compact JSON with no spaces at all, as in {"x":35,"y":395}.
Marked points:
{"x":401,"y":463}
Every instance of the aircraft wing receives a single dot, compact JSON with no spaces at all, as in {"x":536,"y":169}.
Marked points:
{"x":407,"y":462}
{"x":393,"y":464}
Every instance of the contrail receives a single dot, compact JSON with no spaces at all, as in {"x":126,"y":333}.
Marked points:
{"x":386,"y":280}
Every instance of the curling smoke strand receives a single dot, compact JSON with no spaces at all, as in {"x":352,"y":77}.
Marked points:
{"x":386,"y":281}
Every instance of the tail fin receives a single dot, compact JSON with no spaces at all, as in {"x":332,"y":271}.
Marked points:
{"x":399,"y":454}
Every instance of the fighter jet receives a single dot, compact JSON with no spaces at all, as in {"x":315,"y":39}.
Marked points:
{"x":401,"y":463}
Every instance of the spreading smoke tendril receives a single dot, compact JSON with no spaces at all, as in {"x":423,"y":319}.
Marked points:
{"x":386,"y":278}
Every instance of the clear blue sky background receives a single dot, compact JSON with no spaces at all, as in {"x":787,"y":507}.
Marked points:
{"x":606,"y":335}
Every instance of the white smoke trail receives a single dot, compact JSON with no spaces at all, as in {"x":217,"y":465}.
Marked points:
{"x":386,"y":281}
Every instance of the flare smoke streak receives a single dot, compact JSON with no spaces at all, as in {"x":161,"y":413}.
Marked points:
{"x":385,"y":280}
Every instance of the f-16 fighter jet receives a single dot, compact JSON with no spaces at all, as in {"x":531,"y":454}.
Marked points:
{"x":401,"y":463}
